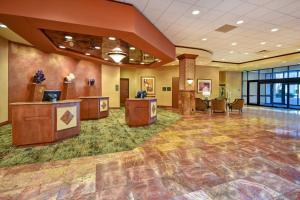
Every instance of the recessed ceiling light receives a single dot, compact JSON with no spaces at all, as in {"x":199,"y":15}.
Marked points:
{"x":279,"y":45}
{"x":223,"y":59}
{"x":265,"y":56}
{"x":204,"y":39}
{"x":61,"y":46}
{"x":234,"y":44}
{"x":246,"y":53}
{"x":145,"y":54}
{"x":274,"y":29}
{"x":97,"y":47}
{"x":263,"y":43}
{"x":88,"y":54}
{"x":68,"y":37}
{"x":231,"y":52}
{"x":142,"y":63}
{"x":111,"y":38}
{"x":106,"y":59}
{"x":3,"y":26}
{"x":131,"y":59}
{"x":196,"y":12}
{"x":240,"y":22}
{"x":132,"y":48}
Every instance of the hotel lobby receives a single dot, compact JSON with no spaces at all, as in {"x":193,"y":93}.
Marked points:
{"x":150,"y":99}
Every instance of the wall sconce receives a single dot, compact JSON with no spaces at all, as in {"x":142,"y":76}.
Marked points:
{"x":189,"y":81}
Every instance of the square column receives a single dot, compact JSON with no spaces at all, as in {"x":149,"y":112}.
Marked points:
{"x":187,"y":83}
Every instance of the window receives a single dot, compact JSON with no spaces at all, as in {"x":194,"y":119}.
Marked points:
{"x":265,"y":74}
{"x":294,"y":71}
{"x":280,"y":72}
{"x":253,"y":75}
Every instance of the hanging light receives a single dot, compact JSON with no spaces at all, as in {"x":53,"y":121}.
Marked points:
{"x":117,"y":54}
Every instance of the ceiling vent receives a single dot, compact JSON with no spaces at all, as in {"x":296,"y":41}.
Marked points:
{"x":226,"y":28}
{"x":263,"y":52}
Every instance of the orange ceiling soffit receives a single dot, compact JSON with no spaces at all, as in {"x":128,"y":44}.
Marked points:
{"x":87,"y":17}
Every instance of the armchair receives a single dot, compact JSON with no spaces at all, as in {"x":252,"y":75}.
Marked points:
{"x":218,"y":105}
{"x":238,"y":104}
{"x":201,"y":105}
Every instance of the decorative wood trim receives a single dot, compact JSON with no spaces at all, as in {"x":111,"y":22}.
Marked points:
{"x":161,"y":106}
{"x":4,"y":123}
{"x":187,"y":56}
{"x":114,"y":107}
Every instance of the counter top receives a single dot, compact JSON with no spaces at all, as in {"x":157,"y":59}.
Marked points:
{"x":92,"y":97}
{"x":140,"y":99}
{"x":46,"y":102}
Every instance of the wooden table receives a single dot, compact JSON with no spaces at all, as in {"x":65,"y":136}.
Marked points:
{"x":140,"y":112}
{"x":44,"y":122}
{"x":94,"y":107}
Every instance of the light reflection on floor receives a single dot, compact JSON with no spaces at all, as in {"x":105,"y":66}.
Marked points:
{"x":253,"y":155}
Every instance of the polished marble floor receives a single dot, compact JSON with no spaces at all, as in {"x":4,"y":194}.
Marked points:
{"x":253,"y":155}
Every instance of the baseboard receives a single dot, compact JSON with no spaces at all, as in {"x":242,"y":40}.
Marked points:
{"x":164,"y":106}
{"x":4,"y":123}
{"x":114,"y":107}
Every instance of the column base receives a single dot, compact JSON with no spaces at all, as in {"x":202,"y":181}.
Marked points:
{"x":187,"y":102}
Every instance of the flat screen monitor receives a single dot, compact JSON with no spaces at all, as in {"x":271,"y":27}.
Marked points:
{"x":141,"y":94}
{"x":51,"y":95}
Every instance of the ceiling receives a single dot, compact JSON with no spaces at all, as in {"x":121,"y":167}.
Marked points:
{"x":89,"y":22}
{"x":175,"y":20}
{"x":99,"y":47}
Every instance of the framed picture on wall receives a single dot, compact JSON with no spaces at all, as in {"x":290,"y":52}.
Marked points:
{"x":204,"y":86}
{"x":148,"y":84}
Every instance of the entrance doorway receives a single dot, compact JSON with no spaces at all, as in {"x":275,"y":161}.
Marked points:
{"x":124,"y":90}
{"x":274,"y":93}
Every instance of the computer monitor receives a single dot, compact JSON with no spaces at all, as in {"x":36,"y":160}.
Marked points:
{"x":51,"y":95}
{"x":141,"y":94}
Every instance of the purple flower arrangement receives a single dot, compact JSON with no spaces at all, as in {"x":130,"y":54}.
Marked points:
{"x":39,"y":77}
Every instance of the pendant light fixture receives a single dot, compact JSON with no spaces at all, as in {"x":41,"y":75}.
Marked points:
{"x":117,"y":54}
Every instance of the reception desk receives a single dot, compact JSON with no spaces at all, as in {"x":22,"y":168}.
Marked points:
{"x":94,"y":107}
{"x":140,"y":112}
{"x":44,"y":122}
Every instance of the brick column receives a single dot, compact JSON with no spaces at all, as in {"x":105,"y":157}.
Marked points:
{"x":187,"y":66}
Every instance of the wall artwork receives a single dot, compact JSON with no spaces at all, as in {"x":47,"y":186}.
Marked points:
{"x":148,"y":84}
{"x":204,"y":86}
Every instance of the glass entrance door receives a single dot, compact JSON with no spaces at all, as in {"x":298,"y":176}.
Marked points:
{"x":294,"y":95}
{"x":280,"y":95}
{"x":274,"y":93}
{"x":253,"y":93}
{"x":265,"y":90}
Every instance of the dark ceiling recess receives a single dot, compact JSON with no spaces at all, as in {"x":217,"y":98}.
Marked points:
{"x":98,"y":47}
{"x":263,"y":51}
{"x":226,"y":28}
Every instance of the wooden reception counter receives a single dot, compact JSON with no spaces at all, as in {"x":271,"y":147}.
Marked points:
{"x":94,"y":107}
{"x":140,"y":112}
{"x":44,"y":122}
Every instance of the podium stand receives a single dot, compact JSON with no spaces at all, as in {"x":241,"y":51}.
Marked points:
{"x":68,"y":91}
